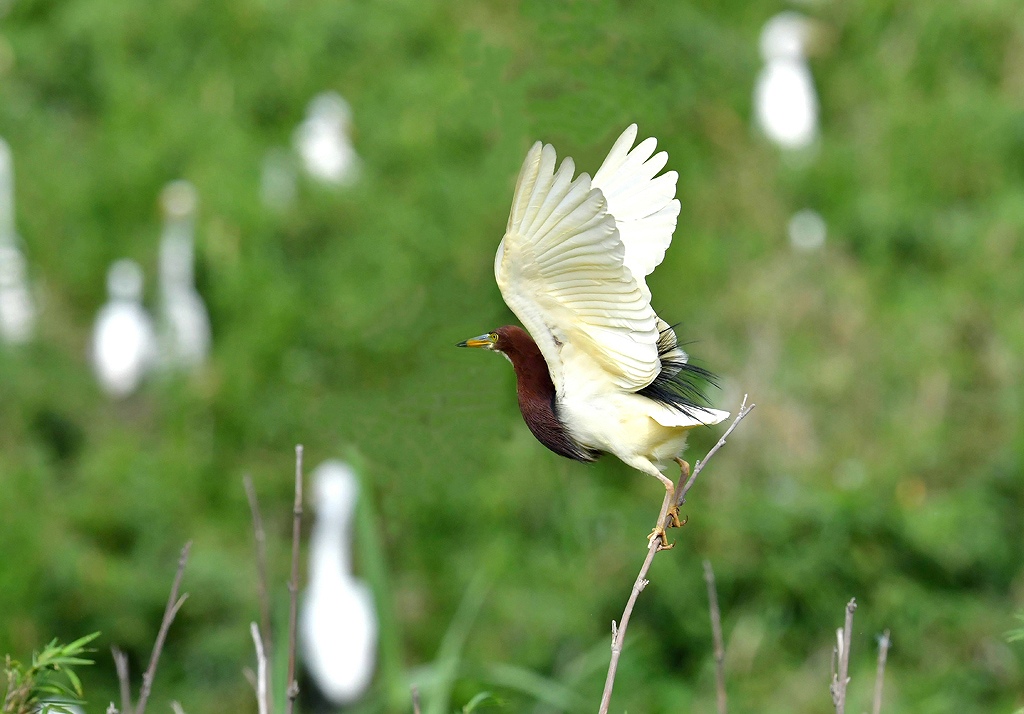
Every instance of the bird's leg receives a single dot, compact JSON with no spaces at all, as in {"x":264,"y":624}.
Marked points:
{"x":666,"y":507}
{"x":673,"y":511}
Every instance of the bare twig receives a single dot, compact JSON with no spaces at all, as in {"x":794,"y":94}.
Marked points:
{"x":264,"y":592}
{"x":716,"y":632}
{"x":112,"y":709}
{"x":121,"y":665}
{"x":293,"y":584}
{"x":840,"y":680}
{"x":619,"y":630}
{"x":262,"y":701}
{"x":699,"y":466}
{"x":883,"y":653}
{"x":177,"y":708}
{"x":174,"y":603}
{"x":415,"y":699}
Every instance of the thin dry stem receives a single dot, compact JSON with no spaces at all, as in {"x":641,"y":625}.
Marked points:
{"x":121,"y":665}
{"x":262,"y":701}
{"x":699,"y":466}
{"x":174,"y":603}
{"x":260,"y":536}
{"x":841,"y":679}
{"x":112,"y":709}
{"x":177,"y":708}
{"x":883,"y":653}
{"x":619,"y":629}
{"x":293,"y":584}
{"x":716,"y":632}
{"x":415,"y":700}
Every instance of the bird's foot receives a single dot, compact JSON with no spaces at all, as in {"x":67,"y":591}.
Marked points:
{"x":659,"y":535}
{"x":672,"y":519}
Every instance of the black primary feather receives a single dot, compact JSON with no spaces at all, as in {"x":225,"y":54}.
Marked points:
{"x":680,"y":383}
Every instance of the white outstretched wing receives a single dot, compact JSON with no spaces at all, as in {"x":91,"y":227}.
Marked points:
{"x":644,"y":204}
{"x":561,"y":270}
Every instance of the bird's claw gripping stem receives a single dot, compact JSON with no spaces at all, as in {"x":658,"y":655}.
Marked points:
{"x":672,"y":519}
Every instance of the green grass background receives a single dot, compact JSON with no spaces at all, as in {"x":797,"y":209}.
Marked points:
{"x":884,"y":459}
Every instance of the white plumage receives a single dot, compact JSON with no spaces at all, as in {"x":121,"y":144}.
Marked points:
{"x":784,"y":97}
{"x":184,"y":322}
{"x":338,"y":622}
{"x":323,"y":140}
{"x":123,"y":342}
{"x":17,"y":310}
{"x":572,"y":266}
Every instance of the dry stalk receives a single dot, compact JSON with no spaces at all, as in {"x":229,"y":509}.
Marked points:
{"x":262,"y":699}
{"x":121,"y":665}
{"x":716,"y":632}
{"x":883,"y":653}
{"x":260,"y":536}
{"x":293,"y":584}
{"x":840,"y":680}
{"x":174,"y":603}
{"x":619,"y":629}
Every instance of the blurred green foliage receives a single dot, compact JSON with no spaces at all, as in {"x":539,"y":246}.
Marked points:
{"x":49,"y":683}
{"x":884,"y":460}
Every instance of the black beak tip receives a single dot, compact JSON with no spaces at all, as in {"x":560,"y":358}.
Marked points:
{"x":462,"y":344}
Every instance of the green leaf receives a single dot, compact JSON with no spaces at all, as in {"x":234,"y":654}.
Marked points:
{"x":75,"y":682}
{"x":476,"y":701}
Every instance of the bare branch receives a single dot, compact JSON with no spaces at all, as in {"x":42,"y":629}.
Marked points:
{"x":176,"y":707}
{"x":262,"y":701}
{"x":261,"y":569}
{"x":173,"y":604}
{"x":121,"y":664}
{"x":293,"y":584}
{"x":415,"y":699}
{"x":841,"y":679}
{"x":619,"y":631}
{"x":699,"y":466}
{"x":883,"y":653}
{"x":716,"y":632}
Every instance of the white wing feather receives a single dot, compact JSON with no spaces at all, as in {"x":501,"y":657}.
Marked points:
{"x":560,"y":268}
{"x":643,"y":204}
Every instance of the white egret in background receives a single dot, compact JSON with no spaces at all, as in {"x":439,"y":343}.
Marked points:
{"x":807,"y":230}
{"x":785,"y":101}
{"x":338,"y":628}
{"x":323,"y":140}
{"x":17,"y":311}
{"x":184,"y":323}
{"x":123,"y":340}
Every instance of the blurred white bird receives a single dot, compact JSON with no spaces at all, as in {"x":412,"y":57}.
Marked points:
{"x":338,"y":628}
{"x":323,"y":140}
{"x":785,"y":101}
{"x":184,"y":323}
{"x":17,"y":311}
{"x":123,"y":341}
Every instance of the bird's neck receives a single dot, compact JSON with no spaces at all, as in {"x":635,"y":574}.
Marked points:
{"x":330,"y":560}
{"x":533,"y":380}
{"x":536,"y":394}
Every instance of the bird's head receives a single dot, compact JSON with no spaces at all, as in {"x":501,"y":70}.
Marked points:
{"x":503,"y":340}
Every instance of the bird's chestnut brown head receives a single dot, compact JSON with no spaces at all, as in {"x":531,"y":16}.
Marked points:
{"x":508,"y":340}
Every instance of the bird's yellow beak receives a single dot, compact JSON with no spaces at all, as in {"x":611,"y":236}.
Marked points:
{"x":481,"y":341}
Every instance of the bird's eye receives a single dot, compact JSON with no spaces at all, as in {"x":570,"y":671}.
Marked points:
{"x":493,"y":337}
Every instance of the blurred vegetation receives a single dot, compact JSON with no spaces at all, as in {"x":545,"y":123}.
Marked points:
{"x":884,"y":460}
{"x":50,"y":683}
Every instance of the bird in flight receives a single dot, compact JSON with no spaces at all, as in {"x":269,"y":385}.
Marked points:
{"x":597,"y":370}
